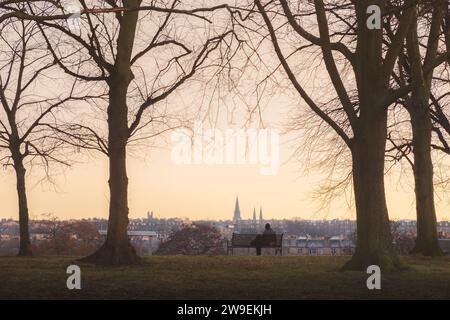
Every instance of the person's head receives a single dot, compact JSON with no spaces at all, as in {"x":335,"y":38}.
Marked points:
{"x":267,"y":226}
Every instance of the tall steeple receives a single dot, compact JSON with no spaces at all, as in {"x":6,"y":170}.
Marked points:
{"x":261,"y":220}
{"x":254,"y":215}
{"x":237,"y":211}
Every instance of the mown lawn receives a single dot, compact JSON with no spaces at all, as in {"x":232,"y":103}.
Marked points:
{"x":223,"y":277}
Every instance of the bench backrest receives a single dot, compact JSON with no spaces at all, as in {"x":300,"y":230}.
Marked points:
{"x":249,"y":240}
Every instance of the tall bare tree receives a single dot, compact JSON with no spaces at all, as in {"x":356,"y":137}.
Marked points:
{"x":176,"y":41}
{"x":25,"y":116}
{"x":344,"y":38}
{"x":425,"y":32}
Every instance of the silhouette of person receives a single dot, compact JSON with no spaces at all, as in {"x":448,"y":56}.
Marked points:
{"x":268,"y":238}
{"x":268,"y":230}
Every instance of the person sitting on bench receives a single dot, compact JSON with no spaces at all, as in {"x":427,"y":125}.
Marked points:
{"x":268,"y":230}
{"x":268,"y":238}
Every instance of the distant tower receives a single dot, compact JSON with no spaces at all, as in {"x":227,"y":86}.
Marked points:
{"x":254,"y":215}
{"x":237,"y":211}
{"x":149,"y":216}
{"x":261,"y":220}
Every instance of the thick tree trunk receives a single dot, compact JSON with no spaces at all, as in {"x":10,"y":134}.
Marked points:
{"x":427,"y":239}
{"x":25,"y":243}
{"x":117,"y":250}
{"x":374,"y":240}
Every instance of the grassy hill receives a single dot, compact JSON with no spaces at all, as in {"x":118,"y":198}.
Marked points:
{"x":223,"y":277}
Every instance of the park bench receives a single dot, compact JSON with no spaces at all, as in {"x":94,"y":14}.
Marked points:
{"x":239,"y":241}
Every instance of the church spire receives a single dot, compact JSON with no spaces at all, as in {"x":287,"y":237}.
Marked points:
{"x":260,"y":215}
{"x":237,"y":211}
{"x":254,"y":214}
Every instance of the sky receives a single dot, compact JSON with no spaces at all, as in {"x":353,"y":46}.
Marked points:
{"x":192,"y":191}
{"x":169,"y":188}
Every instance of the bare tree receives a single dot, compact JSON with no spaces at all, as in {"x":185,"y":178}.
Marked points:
{"x":25,"y":137}
{"x":425,"y":32}
{"x":176,"y":41}
{"x":344,"y":39}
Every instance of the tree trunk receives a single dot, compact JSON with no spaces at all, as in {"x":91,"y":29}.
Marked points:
{"x":427,"y":239}
{"x":418,"y":108}
{"x":374,"y":240}
{"x":25,"y":243}
{"x":117,"y":250}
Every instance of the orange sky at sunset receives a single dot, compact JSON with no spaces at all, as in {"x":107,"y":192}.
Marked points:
{"x":198,"y":191}
{"x":193,"y":191}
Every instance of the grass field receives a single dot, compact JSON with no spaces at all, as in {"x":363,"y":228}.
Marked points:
{"x":223,"y":277}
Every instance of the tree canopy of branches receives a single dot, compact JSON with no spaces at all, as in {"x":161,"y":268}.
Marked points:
{"x":440,"y":98}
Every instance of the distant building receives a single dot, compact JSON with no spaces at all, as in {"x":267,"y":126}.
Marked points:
{"x":261,"y":220}
{"x":253,"y":225}
{"x":443,"y":228}
{"x":237,"y":211}
{"x":324,"y":246}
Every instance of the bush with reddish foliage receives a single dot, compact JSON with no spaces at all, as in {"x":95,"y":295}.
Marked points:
{"x":195,"y":239}
{"x":77,"y":238}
